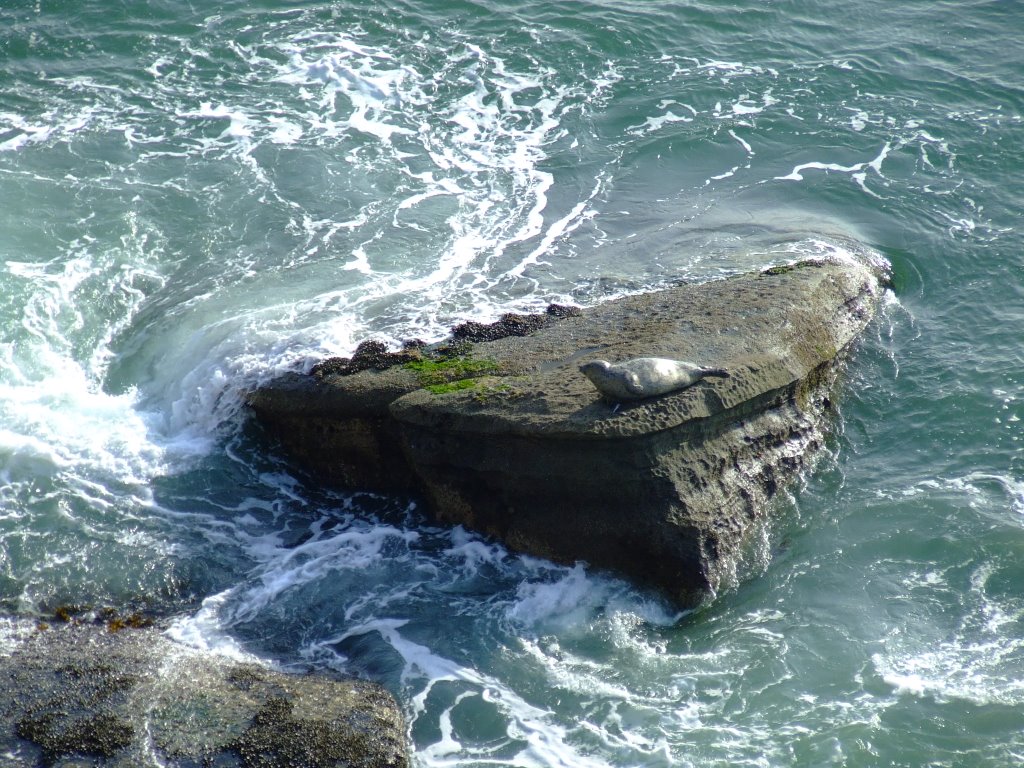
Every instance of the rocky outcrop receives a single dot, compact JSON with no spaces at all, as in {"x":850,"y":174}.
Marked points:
{"x":507,"y":437}
{"x":85,"y":694}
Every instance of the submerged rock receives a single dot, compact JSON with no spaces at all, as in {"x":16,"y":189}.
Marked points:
{"x":81,"y":694}
{"x":516,"y":443}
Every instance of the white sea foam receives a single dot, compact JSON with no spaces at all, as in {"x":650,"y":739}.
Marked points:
{"x":982,"y":670}
{"x":486,"y":143}
{"x":473,"y":552}
{"x":64,"y":420}
{"x":990,"y":494}
{"x":542,"y":741}
{"x":204,"y":631}
{"x":54,"y":408}
{"x":564,"y":603}
{"x":742,"y":142}
{"x":13,"y":631}
{"x":313,"y":561}
{"x":875,"y":165}
{"x":652,"y":124}
{"x":26,"y":132}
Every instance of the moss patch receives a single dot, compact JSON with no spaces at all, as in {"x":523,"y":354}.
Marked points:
{"x":441,"y":376}
{"x":486,"y":392}
{"x":452,"y":386}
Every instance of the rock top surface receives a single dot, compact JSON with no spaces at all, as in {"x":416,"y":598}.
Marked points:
{"x":769,"y":330}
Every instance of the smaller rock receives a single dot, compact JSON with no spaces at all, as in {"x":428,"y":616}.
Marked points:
{"x":80,"y":691}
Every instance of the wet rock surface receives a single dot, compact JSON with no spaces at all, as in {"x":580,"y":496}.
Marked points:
{"x":517,"y":443}
{"x":81,"y":694}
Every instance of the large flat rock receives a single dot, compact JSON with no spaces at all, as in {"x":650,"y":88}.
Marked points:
{"x":660,"y":489}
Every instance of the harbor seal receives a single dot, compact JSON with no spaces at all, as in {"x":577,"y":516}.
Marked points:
{"x":644,"y":376}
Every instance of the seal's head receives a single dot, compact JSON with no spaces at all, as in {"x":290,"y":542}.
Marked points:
{"x":612,"y":381}
{"x":595,"y":367}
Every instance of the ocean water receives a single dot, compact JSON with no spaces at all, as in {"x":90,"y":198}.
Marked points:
{"x":195,"y":197}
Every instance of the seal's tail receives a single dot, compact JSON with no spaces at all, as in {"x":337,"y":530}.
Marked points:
{"x":715,"y":372}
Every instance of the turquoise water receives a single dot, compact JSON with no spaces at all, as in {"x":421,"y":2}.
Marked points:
{"x":193,"y":200}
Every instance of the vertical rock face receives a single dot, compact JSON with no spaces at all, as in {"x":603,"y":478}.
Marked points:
{"x":84,"y":695}
{"x":507,"y":437}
